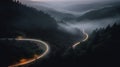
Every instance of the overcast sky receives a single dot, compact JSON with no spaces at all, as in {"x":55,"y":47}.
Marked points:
{"x":61,"y":3}
{"x":69,"y":0}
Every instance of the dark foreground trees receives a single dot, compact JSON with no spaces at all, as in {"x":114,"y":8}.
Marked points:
{"x":100,"y":50}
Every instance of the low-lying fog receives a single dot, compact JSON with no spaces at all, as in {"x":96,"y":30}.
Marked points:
{"x":88,"y":26}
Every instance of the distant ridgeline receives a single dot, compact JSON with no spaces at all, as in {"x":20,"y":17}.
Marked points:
{"x":102,"y":13}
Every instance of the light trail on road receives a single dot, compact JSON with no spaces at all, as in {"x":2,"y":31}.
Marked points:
{"x":27,"y":61}
{"x":23,"y":61}
{"x":86,"y":37}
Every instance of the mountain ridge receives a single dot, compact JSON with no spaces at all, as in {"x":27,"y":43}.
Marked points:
{"x":102,"y":13}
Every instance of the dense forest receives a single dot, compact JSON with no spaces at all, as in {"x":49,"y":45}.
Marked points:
{"x":20,"y":20}
{"x":100,"y":50}
{"x":15,"y":16}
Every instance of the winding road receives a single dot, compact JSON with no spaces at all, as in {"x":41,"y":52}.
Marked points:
{"x":39,"y":42}
{"x":24,"y":61}
{"x":86,"y":37}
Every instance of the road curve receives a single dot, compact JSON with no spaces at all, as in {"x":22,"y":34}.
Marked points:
{"x":35,"y":58}
{"x":86,"y":37}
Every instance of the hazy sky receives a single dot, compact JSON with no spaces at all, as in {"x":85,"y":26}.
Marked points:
{"x":65,"y":2}
{"x":70,"y":0}
{"x":61,"y":4}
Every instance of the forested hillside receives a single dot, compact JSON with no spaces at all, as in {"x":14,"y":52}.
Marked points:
{"x":13,"y":51}
{"x":100,"y":50}
{"x":20,"y":20}
{"x":15,"y":16}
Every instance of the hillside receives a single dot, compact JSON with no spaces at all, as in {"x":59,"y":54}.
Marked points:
{"x":100,"y":50}
{"x":55,"y":13}
{"x":90,"y":6}
{"x":18,"y":16}
{"x":20,"y":20}
{"x":102,"y":13}
{"x":12,"y":51}
{"x":102,"y":47}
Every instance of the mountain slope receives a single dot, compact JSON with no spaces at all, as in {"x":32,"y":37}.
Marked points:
{"x":106,"y":12}
{"x":90,"y":6}
{"x":100,"y":50}
{"x":20,"y":20}
{"x":55,"y":13}
{"x":14,"y":14}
